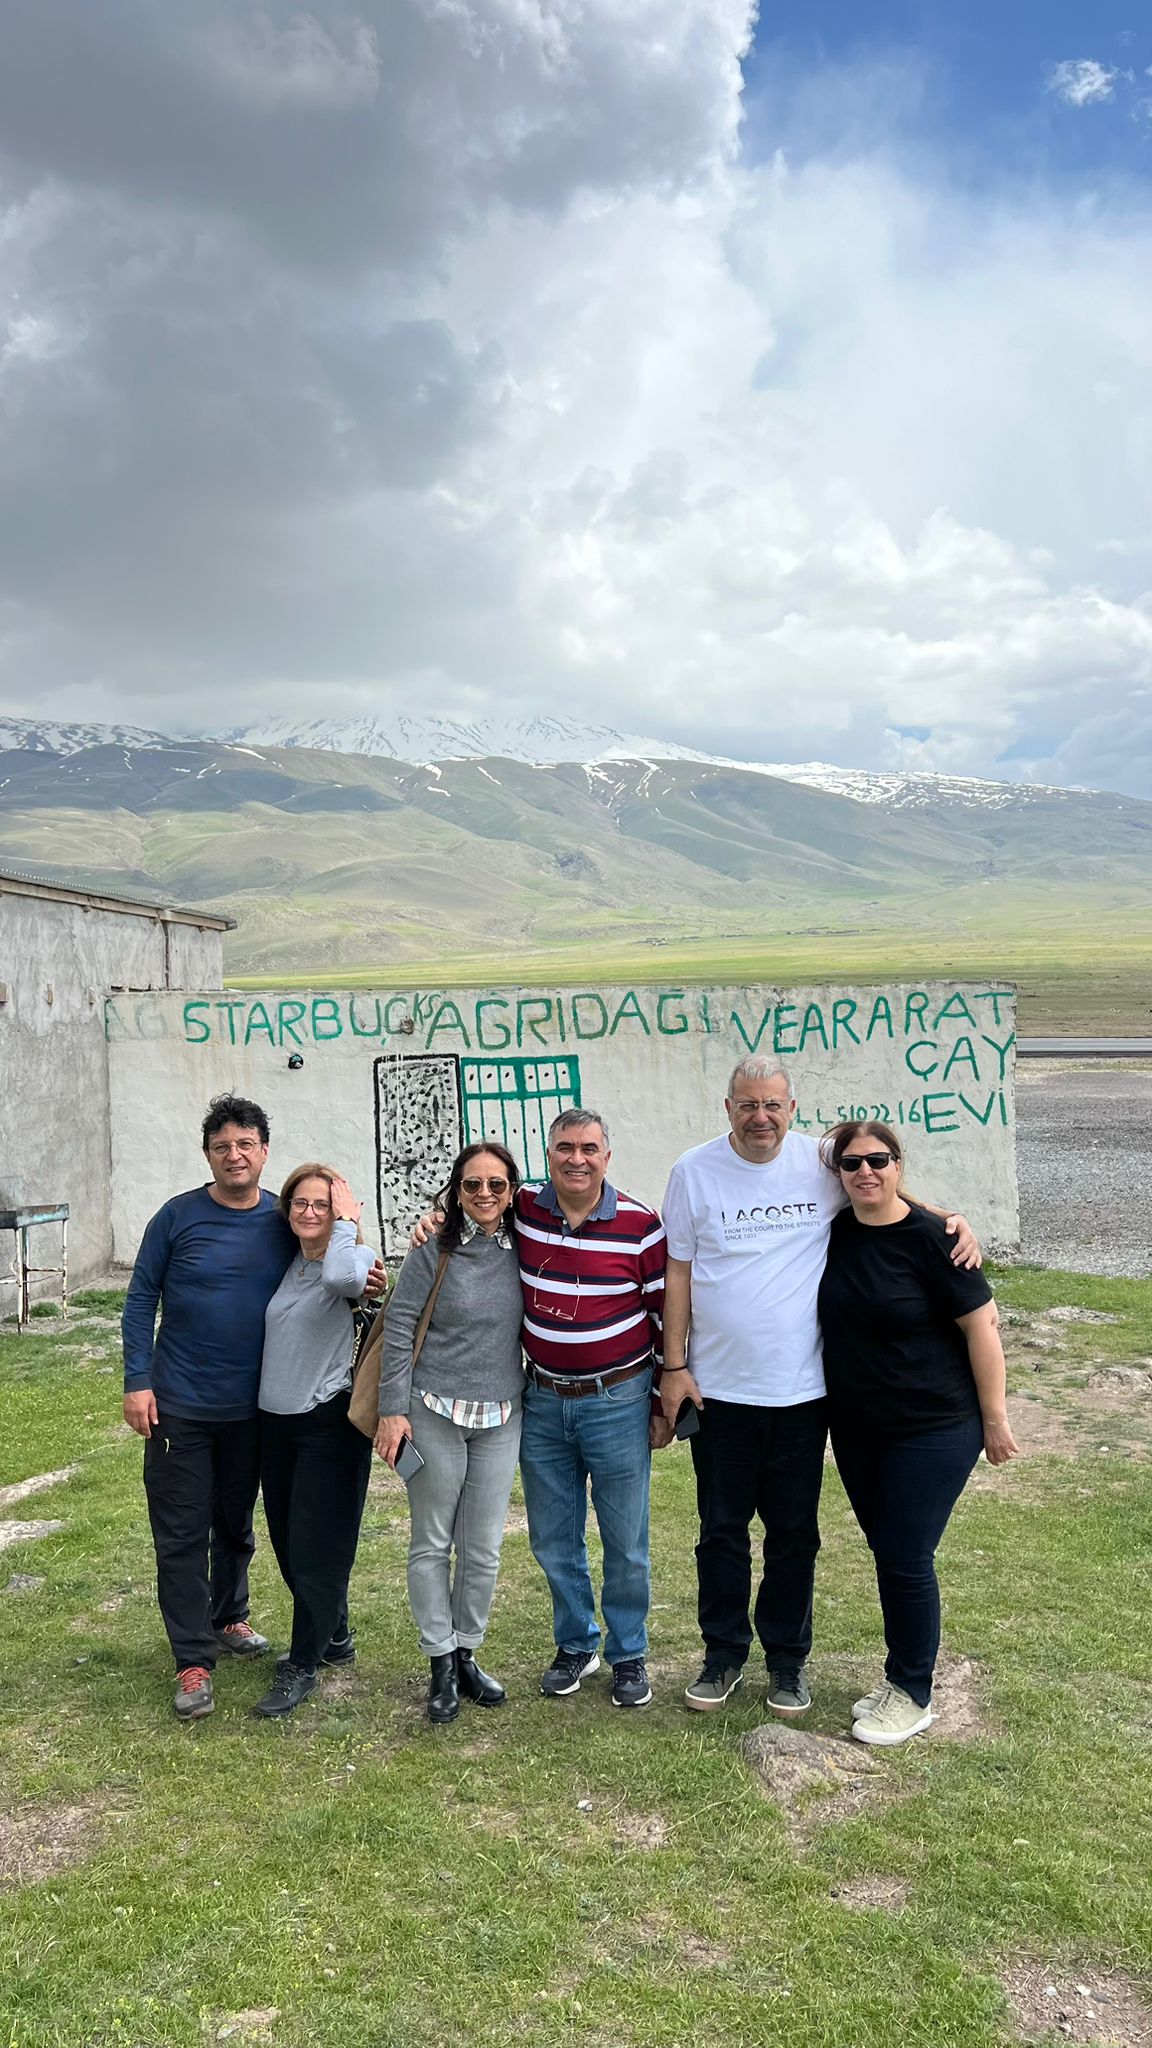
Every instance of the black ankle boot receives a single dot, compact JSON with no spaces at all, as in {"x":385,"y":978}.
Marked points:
{"x":476,"y":1684}
{"x":443,"y":1698}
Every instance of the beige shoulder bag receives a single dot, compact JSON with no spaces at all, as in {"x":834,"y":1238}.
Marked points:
{"x":364,"y":1401}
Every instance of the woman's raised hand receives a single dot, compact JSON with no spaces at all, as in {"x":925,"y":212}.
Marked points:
{"x":345,"y":1207}
{"x":391,"y":1431}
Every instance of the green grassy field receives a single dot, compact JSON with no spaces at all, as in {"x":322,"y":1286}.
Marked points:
{"x":558,"y":1872}
{"x":1080,"y":969}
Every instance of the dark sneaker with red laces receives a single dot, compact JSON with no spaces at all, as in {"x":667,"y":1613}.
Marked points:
{"x":193,"y":1693}
{"x":630,"y":1687}
{"x":239,"y":1639}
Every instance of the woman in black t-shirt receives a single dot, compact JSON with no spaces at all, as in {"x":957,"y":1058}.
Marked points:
{"x":915,"y":1377}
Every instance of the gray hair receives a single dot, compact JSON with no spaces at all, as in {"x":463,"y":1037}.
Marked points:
{"x":758,"y":1066}
{"x":575,"y":1120}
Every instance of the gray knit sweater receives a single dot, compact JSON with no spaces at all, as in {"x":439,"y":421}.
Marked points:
{"x":472,"y":1350}
{"x":308,"y":1326}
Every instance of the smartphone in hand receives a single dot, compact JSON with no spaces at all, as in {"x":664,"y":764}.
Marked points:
{"x":688,"y":1420}
{"x":408,"y":1460}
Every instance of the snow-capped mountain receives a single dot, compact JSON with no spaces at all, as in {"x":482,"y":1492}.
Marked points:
{"x":538,"y":742}
{"x":49,"y":736}
{"x":542,"y":742}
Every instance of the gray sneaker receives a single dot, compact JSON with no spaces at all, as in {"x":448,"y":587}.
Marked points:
{"x":787,"y":1692}
{"x":716,"y":1683}
{"x":869,"y":1701}
{"x":193,"y":1693}
{"x":895,"y":1719}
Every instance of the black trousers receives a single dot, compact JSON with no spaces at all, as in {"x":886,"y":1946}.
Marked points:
{"x":201,"y":1479}
{"x":767,"y":1462}
{"x":902,"y":1490}
{"x":314,"y":1470}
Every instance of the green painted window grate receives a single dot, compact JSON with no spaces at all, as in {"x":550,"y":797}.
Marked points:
{"x":514,"y":1101}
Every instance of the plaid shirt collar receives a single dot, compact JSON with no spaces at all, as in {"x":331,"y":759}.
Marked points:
{"x":469,"y":1229}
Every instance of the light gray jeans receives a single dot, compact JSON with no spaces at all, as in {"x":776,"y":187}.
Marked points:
{"x":459,"y":1501}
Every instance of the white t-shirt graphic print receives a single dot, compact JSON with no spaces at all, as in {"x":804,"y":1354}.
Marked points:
{"x":757,"y":1237}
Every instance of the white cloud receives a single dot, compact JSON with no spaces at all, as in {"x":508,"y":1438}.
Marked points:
{"x":1081,"y":81}
{"x":554,"y":402}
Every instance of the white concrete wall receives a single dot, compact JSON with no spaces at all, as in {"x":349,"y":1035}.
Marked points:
{"x":383,"y":1089}
{"x":58,"y":960}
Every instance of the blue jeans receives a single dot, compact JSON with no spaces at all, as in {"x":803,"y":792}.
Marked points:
{"x":565,"y":1442}
{"x":902,"y":1490}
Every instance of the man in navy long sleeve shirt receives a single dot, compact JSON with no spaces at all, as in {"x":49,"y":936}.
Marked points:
{"x":211,"y":1260}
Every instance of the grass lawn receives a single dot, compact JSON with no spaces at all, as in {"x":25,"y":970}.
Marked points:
{"x":1081,"y":967}
{"x":560,"y":1872}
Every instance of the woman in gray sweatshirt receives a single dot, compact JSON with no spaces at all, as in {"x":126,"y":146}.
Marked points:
{"x":460,"y":1404}
{"x":314,"y":1465}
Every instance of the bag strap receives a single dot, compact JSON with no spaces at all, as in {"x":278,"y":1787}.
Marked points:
{"x":429,"y":1305}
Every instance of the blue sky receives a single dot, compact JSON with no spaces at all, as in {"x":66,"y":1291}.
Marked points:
{"x":790,"y":399}
{"x":980,"y":81}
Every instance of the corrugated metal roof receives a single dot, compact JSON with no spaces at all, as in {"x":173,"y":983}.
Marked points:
{"x":72,"y":885}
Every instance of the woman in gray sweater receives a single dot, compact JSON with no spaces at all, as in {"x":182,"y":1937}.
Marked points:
{"x":461,"y":1407}
{"x":314,"y":1465}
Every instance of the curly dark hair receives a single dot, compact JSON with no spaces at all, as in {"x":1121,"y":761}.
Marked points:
{"x":448,"y":1198}
{"x":233,"y":1109}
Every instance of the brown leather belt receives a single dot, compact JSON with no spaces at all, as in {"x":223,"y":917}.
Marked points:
{"x":576,"y":1384}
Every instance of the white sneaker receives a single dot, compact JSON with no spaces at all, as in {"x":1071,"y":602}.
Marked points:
{"x":894,"y":1719}
{"x":870,"y":1701}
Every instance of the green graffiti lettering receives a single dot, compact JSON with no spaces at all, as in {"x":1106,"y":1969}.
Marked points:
{"x":785,"y":1013}
{"x":935,"y":1119}
{"x":230,"y":1005}
{"x":972,"y":1109}
{"x":491,"y":1044}
{"x":258,"y":1020}
{"x":843,"y":1012}
{"x":288,"y":1016}
{"x":881,"y":1009}
{"x":680,"y":1022}
{"x":559,"y":1000}
{"x":630,"y":1008}
{"x":950,"y":1010}
{"x":995,"y":996}
{"x":326,"y":1019}
{"x":963,"y":1053}
{"x":533,"y":1011}
{"x":588,"y":997}
{"x":447,"y":1018}
{"x":921,"y":1073}
{"x":373,"y":1030}
{"x":196,"y":1025}
{"x":752,"y":1043}
{"x":705,"y":1011}
{"x":916,"y":1002}
{"x":813,"y":1026}
{"x":1003,"y":1110}
{"x":1001,"y":1052}
{"x":391,"y":1029}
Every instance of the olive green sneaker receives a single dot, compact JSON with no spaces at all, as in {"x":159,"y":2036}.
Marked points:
{"x":869,"y":1701}
{"x":787,"y":1691}
{"x":716,"y":1683}
{"x":895,"y":1719}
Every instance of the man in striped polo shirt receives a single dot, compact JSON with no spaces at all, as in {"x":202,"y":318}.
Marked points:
{"x":592,"y":1271}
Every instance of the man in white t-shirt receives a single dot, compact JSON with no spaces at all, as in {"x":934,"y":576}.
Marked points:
{"x":747,"y":1217}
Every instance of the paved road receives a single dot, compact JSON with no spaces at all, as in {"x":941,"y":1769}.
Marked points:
{"x":1084,"y":1160}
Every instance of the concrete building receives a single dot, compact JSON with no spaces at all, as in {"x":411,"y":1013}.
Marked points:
{"x":63,"y":952}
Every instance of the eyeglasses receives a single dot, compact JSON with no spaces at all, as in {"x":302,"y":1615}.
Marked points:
{"x":301,"y":1207}
{"x":558,"y":1312}
{"x":852,"y":1162}
{"x":476,"y":1183}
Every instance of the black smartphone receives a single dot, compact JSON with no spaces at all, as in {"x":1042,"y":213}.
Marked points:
{"x":408,"y":1460}
{"x":688,"y":1420}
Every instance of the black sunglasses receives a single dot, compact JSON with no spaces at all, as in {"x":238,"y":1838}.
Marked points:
{"x":853,"y":1161}
{"x":494,"y":1183}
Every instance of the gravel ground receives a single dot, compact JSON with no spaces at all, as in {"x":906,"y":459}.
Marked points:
{"x":1084,"y":1162}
